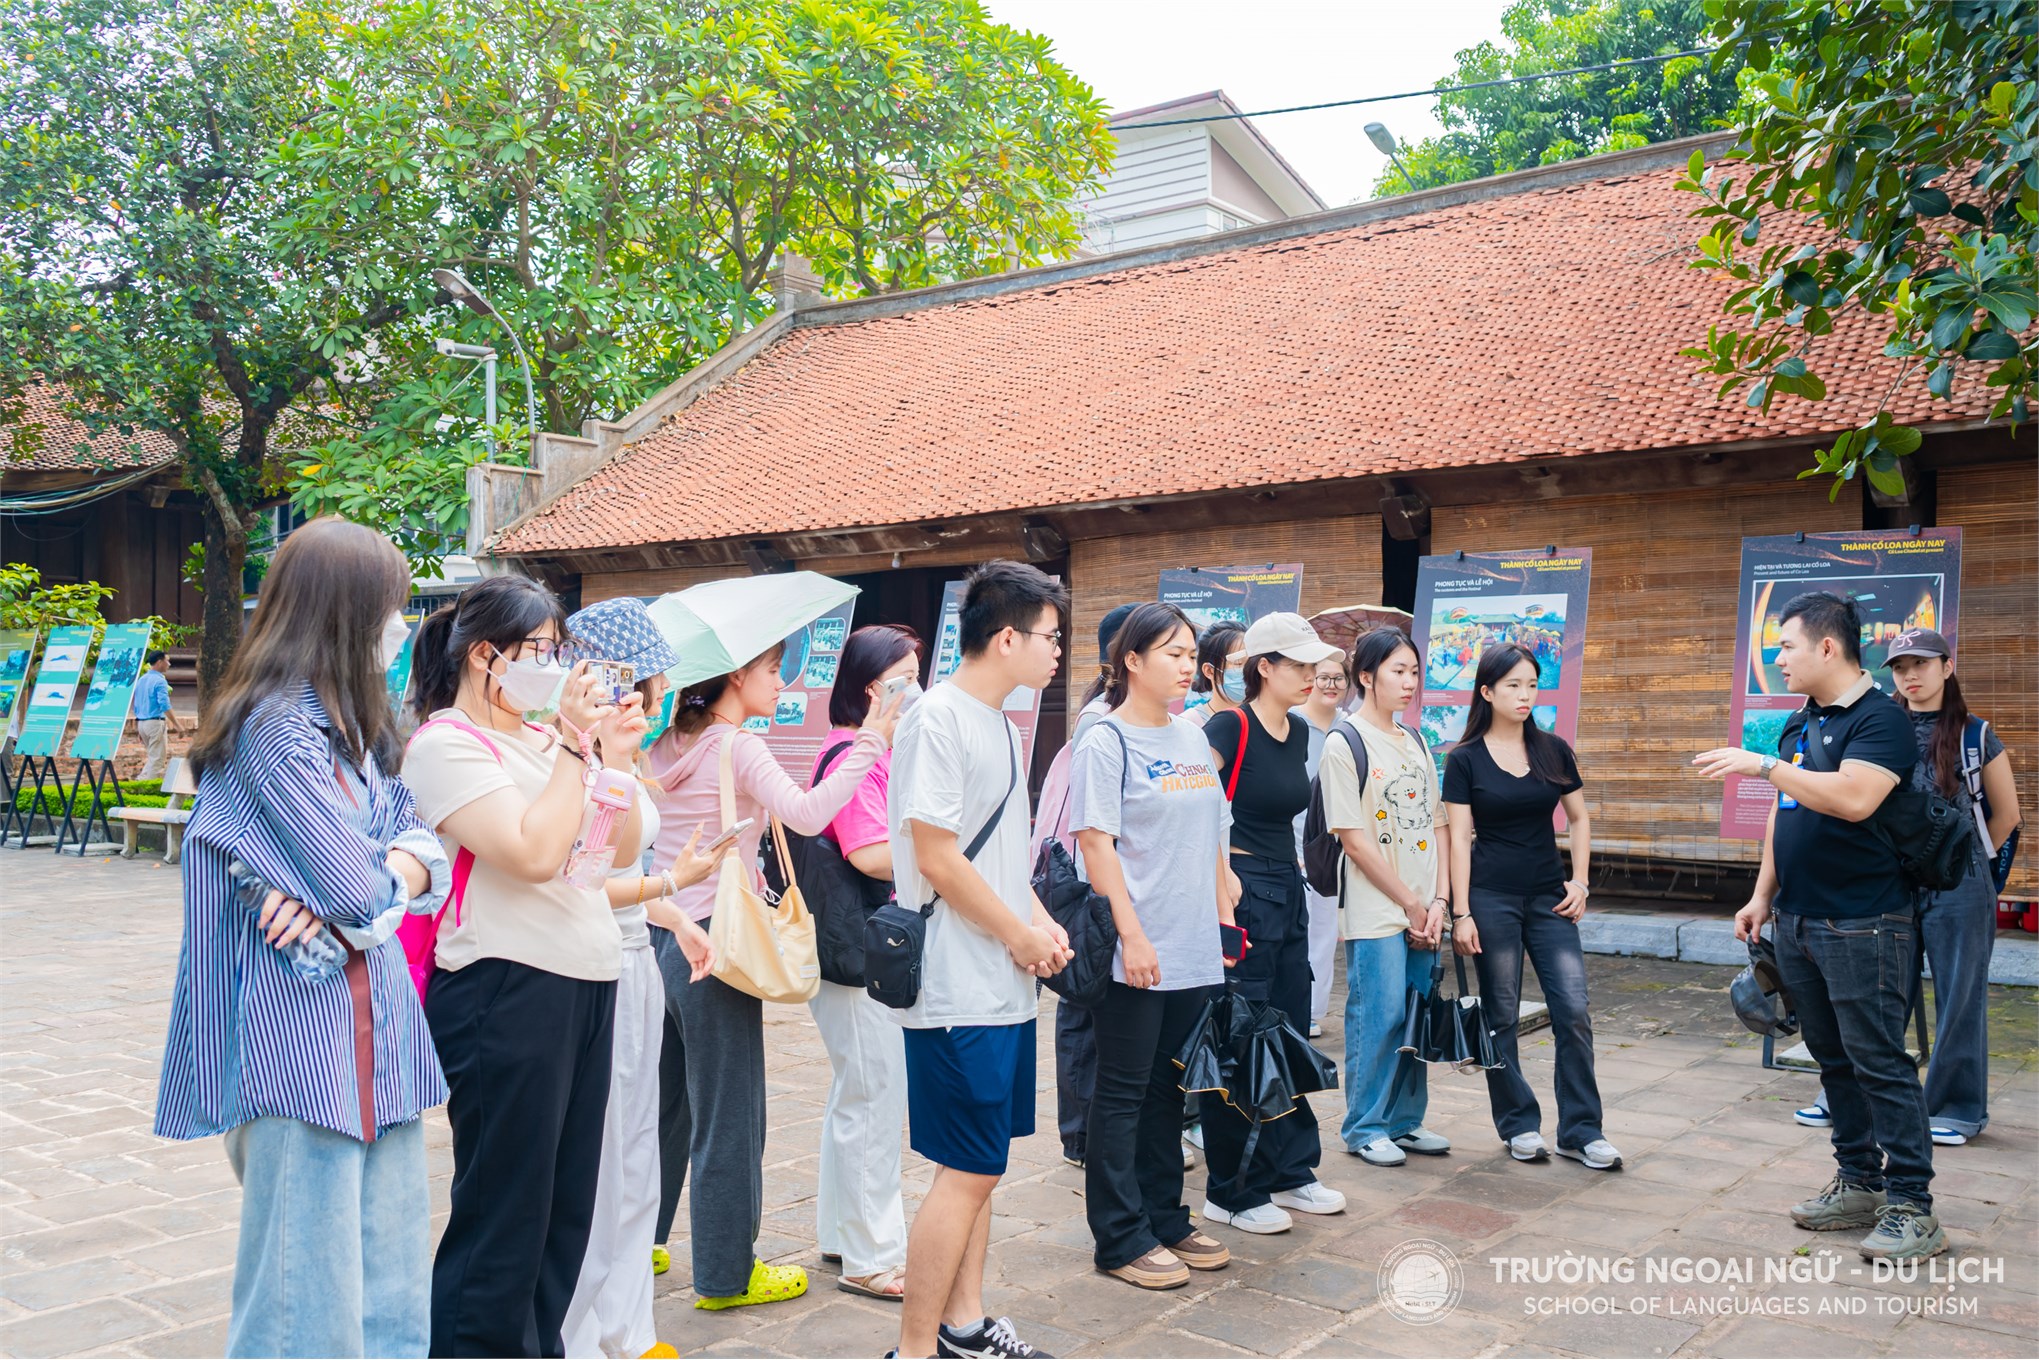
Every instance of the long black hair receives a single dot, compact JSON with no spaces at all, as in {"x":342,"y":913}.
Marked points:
{"x":1148,"y":625}
{"x":1371,"y":652}
{"x":1549,"y":756}
{"x":330,"y":589}
{"x":1943,"y":756}
{"x":501,"y":611}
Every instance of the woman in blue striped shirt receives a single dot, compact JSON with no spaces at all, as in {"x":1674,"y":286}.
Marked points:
{"x":318,"y":1085}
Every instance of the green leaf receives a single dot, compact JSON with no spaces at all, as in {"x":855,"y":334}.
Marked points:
{"x":1929,"y":202}
{"x":1991,"y":345}
{"x":1948,"y":328}
{"x":1801,"y":287}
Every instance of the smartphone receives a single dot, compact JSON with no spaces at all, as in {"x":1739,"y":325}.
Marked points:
{"x":889,"y":688}
{"x":618,"y":678}
{"x":1231,"y":942}
{"x":727,"y":836}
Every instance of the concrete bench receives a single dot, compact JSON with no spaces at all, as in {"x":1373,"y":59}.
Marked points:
{"x":180,"y":787}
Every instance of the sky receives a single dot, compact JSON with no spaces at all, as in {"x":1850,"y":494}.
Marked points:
{"x":1271,"y":54}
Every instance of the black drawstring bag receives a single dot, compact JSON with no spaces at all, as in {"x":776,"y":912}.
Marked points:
{"x":1448,"y":1030}
{"x":1079,"y":909}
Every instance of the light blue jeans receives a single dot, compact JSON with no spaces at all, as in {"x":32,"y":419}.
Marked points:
{"x":1386,"y":1091}
{"x":335,"y":1254}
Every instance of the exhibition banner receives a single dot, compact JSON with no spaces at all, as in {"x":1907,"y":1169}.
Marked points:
{"x":1467,"y":602}
{"x":1208,"y":595}
{"x":56,"y":685}
{"x":398,"y":676}
{"x":797,"y":730}
{"x":111,"y":691}
{"x":1022,"y":706}
{"x":1898,"y":578}
{"x":17,"y":650}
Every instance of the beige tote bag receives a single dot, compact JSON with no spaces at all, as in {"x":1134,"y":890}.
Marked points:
{"x":761,"y":949}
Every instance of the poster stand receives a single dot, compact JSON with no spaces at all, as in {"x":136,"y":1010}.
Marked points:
{"x":45,"y":771}
{"x":10,"y":789}
{"x":99,"y":774}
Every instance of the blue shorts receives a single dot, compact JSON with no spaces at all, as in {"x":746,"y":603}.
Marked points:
{"x":969,"y":1093}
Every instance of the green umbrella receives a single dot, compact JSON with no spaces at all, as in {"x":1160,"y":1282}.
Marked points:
{"x":721,"y":625}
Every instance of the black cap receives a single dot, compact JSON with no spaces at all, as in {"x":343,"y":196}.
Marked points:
{"x":1917,"y":642}
{"x":1108,"y":628}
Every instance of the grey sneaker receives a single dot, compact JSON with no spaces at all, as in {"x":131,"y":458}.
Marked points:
{"x":1842,"y":1204}
{"x":1904,"y":1233}
{"x":1528,"y":1147}
{"x":1598,"y":1154}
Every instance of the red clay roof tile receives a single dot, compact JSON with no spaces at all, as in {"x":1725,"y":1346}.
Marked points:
{"x":47,"y":438}
{"x":1538,"y":324}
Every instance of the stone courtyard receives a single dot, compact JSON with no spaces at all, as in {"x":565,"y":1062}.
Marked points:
{"x":115,"y":1242}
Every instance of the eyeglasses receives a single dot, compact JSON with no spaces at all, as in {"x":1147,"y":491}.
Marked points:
{"x":540,"y":648}
{"x":1054,"y":635}
{"x":1331,"y":681}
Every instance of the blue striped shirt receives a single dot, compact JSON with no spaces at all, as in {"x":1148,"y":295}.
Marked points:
{"x":248,"y":1036}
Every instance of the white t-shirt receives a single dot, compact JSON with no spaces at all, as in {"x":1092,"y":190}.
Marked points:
{"x":551,"y":926}
{"x":952,"y":763}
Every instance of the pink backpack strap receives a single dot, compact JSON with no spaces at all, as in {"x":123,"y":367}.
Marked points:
{"x":463,"y":863}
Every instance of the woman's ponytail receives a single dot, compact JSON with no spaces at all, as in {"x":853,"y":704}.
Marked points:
{"x":434,"y":668}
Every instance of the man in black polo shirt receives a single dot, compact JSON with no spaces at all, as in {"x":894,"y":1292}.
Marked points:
{"x":1845,"y":931}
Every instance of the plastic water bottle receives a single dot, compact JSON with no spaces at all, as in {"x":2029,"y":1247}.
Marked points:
{"x":311,"y":957}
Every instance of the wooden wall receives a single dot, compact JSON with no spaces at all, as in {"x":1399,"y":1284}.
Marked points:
{"x":1341,"y":560}
{"x":1998,"y":512}
{"x":1660,"y":638}
{"x":602,"y":585}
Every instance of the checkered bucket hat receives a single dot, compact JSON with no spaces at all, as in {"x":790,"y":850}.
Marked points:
{"x":621,"y":630}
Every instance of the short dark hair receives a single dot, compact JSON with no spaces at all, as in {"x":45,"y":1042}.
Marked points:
{"x":1372,"y":651}
{"x":1826,"y":614}
{"x":154,"y":655}
{"x":1212,"y":647}
{"x":1004,"y":594}
{"x":868,"y":654}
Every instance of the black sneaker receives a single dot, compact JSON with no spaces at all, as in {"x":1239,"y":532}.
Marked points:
{"x":993,"y":1337}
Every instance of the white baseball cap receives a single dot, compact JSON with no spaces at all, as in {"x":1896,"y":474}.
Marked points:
{"x":1289,"y":634}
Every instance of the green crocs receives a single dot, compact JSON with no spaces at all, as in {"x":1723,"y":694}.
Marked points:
{"x":768,"y":1284}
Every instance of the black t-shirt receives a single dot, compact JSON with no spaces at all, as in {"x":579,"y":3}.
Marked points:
{"x":1515,"y":842}
{"x":1829,"y":867}
{"x":1274,"y":782}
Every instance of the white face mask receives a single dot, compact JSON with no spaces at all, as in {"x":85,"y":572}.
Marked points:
{"x":395,"y":634}
{"x":909,"y":696}
{"x":530,"y":684}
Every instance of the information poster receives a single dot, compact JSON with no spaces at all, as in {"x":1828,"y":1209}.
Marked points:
{"x":1468,"y":602}
{"x":111,"y":691}
{"x":17,"y":650}
{"x":799,"y":727}
{"x":1209,"y":595}
{"x":398,"y":676}
{"x":56,"y":685}
{"x":1023,"y":705}
{"x":1898,"y":580}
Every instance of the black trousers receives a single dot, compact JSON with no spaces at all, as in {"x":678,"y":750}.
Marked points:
{"x":1276,"y":970}
{"x":1075,"y":1074}
{"x":526,"y":1055}
{"x":1133,"y":1174}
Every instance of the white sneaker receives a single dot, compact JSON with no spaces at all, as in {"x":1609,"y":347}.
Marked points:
{"x":1194,"y":1136}
{"x":1422,"y":1140}
{"x":1380,"y":1152}
{"x":1262,"y":1218}
{"x":1527,"y":1147}
{"x":1947,"y":1137}
{"x":1313,"y":1198}
{"x":1188,"y":1156}
{"x":1598,"y":1154}
{"x":1316,"y":1030}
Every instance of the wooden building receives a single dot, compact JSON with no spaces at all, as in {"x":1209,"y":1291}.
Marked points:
{"x":1486,"y":366}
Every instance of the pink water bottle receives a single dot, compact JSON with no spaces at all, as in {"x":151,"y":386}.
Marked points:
{"x":610,"y":795}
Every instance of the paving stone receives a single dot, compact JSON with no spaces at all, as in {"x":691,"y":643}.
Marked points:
{"x":1254,"y":1320}
{"x":1466,"y":1223}
{"x":82,"y":1330}
{"x":1161,"y":1343}
{"x":63,"y":1286}
{"x":200,"y":1298}
{"x":205,"y":1338}
{"x":1618,"y":1333}
{"x":1327,"y":1282}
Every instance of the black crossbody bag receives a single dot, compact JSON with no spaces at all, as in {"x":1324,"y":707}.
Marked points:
{"x":895,"y":936}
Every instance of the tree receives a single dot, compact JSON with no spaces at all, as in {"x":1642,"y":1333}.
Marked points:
{"x":135,"y":268}
{"x":1888,"y":161}
{"x":1491,"y":131}
{"x":618,"y":177}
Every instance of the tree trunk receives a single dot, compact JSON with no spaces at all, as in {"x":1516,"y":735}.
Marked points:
{"x":226,"y":552}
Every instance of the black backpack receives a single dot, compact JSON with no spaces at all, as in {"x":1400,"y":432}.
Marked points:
{"x":1323,"y":852}
{"x":840,"y":895}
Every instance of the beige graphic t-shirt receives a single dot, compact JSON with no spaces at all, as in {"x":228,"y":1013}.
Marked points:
{"x":1399,"y":807}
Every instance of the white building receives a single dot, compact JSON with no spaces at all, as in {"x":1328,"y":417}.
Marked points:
{"x":1190,"y":179}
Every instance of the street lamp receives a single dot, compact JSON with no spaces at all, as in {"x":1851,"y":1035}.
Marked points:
{"x":1384,"y":142}
{"x":486,"y":357}
{"x":460,"y":290}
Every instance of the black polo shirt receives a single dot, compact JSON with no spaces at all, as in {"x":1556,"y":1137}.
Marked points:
{"x":1828,"y":866}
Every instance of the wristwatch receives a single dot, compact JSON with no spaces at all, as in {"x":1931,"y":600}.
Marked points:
{"x":1768,"y":764}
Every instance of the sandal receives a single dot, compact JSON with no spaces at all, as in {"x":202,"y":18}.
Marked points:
{"x":768,"y":1284}
{"x":888,"y":1286}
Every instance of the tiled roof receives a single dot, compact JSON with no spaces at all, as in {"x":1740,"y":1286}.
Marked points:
{"x":46,"y":438}
{"x":1531,"y":325}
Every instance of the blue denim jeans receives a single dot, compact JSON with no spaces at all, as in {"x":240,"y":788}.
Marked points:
{"x":1959,"y":928}
{"x":1850,"y":982}
{"x":1387,"y":1091}
{"x":335,"y":1256}
{"x":1511,"y":926}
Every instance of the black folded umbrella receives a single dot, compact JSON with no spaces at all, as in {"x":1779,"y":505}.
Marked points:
{"x":1472,"y":1039}
{"x":1252,"y":1057}
{"x":1427,"y":1019}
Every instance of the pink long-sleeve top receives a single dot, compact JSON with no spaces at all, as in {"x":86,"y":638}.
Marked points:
{"x":687,"y":770}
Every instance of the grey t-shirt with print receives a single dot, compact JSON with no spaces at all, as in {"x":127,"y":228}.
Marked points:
{"x":1159,"y":795}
